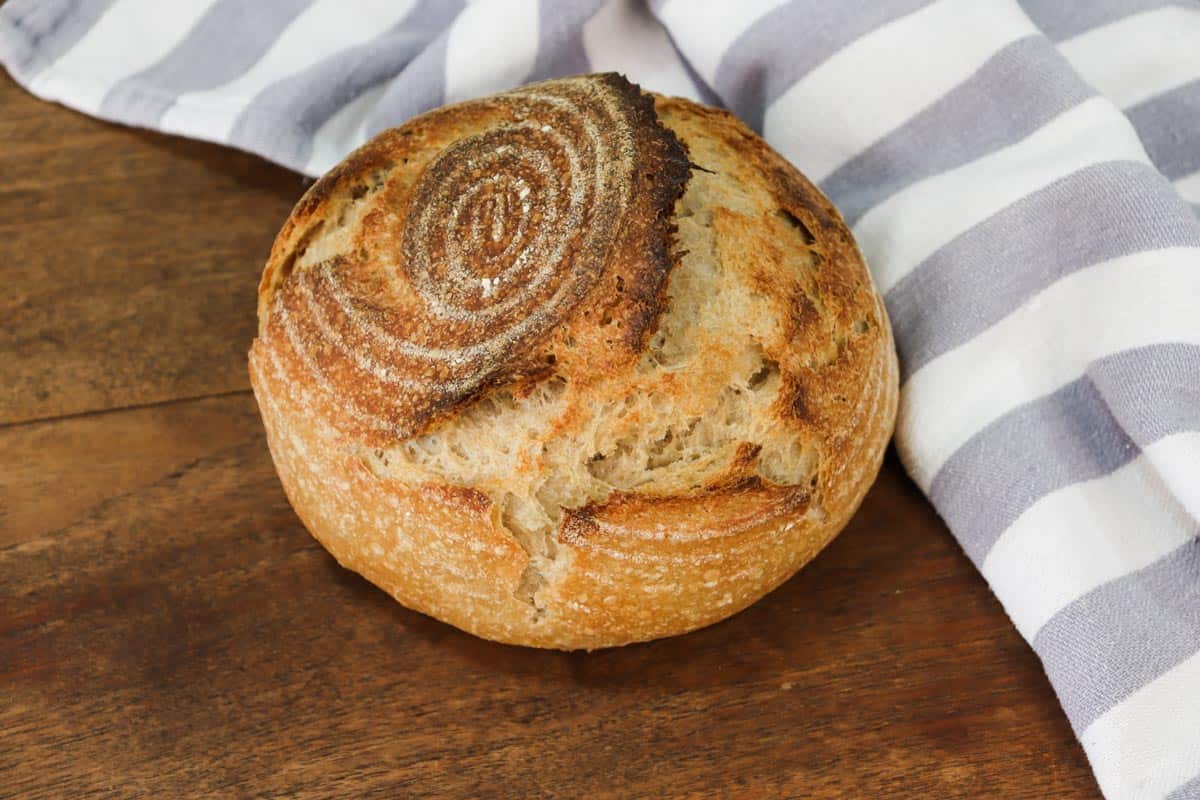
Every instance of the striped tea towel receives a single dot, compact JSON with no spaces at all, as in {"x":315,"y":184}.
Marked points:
{"x":1022,"y":179}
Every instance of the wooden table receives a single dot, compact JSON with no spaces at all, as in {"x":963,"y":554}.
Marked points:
{"x":169,"y":629}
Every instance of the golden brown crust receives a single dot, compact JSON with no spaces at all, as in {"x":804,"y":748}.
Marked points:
{"x":636,"y":564}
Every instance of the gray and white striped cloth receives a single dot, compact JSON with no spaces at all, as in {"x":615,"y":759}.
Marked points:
{"x":1023,"y":179}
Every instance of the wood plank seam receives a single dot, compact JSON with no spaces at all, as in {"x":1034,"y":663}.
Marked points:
{"x":93,"y":412}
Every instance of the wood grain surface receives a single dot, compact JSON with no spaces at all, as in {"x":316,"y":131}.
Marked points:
{"x":169,"y":629}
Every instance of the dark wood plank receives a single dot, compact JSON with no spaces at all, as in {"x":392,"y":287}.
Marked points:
{"x":54,"y":475}
{"x":168,"y":628}
{"x":129,"y":258}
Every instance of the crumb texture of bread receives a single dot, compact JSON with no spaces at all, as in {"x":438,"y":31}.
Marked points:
{"x":572,"y":366}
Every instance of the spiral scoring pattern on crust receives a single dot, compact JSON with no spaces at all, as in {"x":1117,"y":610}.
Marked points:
{"x":502,"y":235}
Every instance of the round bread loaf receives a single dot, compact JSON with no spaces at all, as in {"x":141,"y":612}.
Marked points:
{"x":572,"y":366}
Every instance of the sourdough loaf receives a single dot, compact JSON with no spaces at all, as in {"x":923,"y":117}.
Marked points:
{"x":572,"y":366}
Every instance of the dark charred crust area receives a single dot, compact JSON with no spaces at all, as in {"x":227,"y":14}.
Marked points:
{"x":652,"y":245}
{"x":746,"y":456}
{"x":578,"y":526}
{"x":464,"y":497}
{"x":799,"y":224}
{"x":621,"y":312}
{"x":740,"y":484}
{"x":805,"y":207}
{"x":802,"y":321}
{"x":734,"y":506}
{"x":740,"y":476}
{"x":793,"y":402}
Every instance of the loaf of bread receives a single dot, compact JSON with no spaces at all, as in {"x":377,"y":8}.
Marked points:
{"x":572,"y":366}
